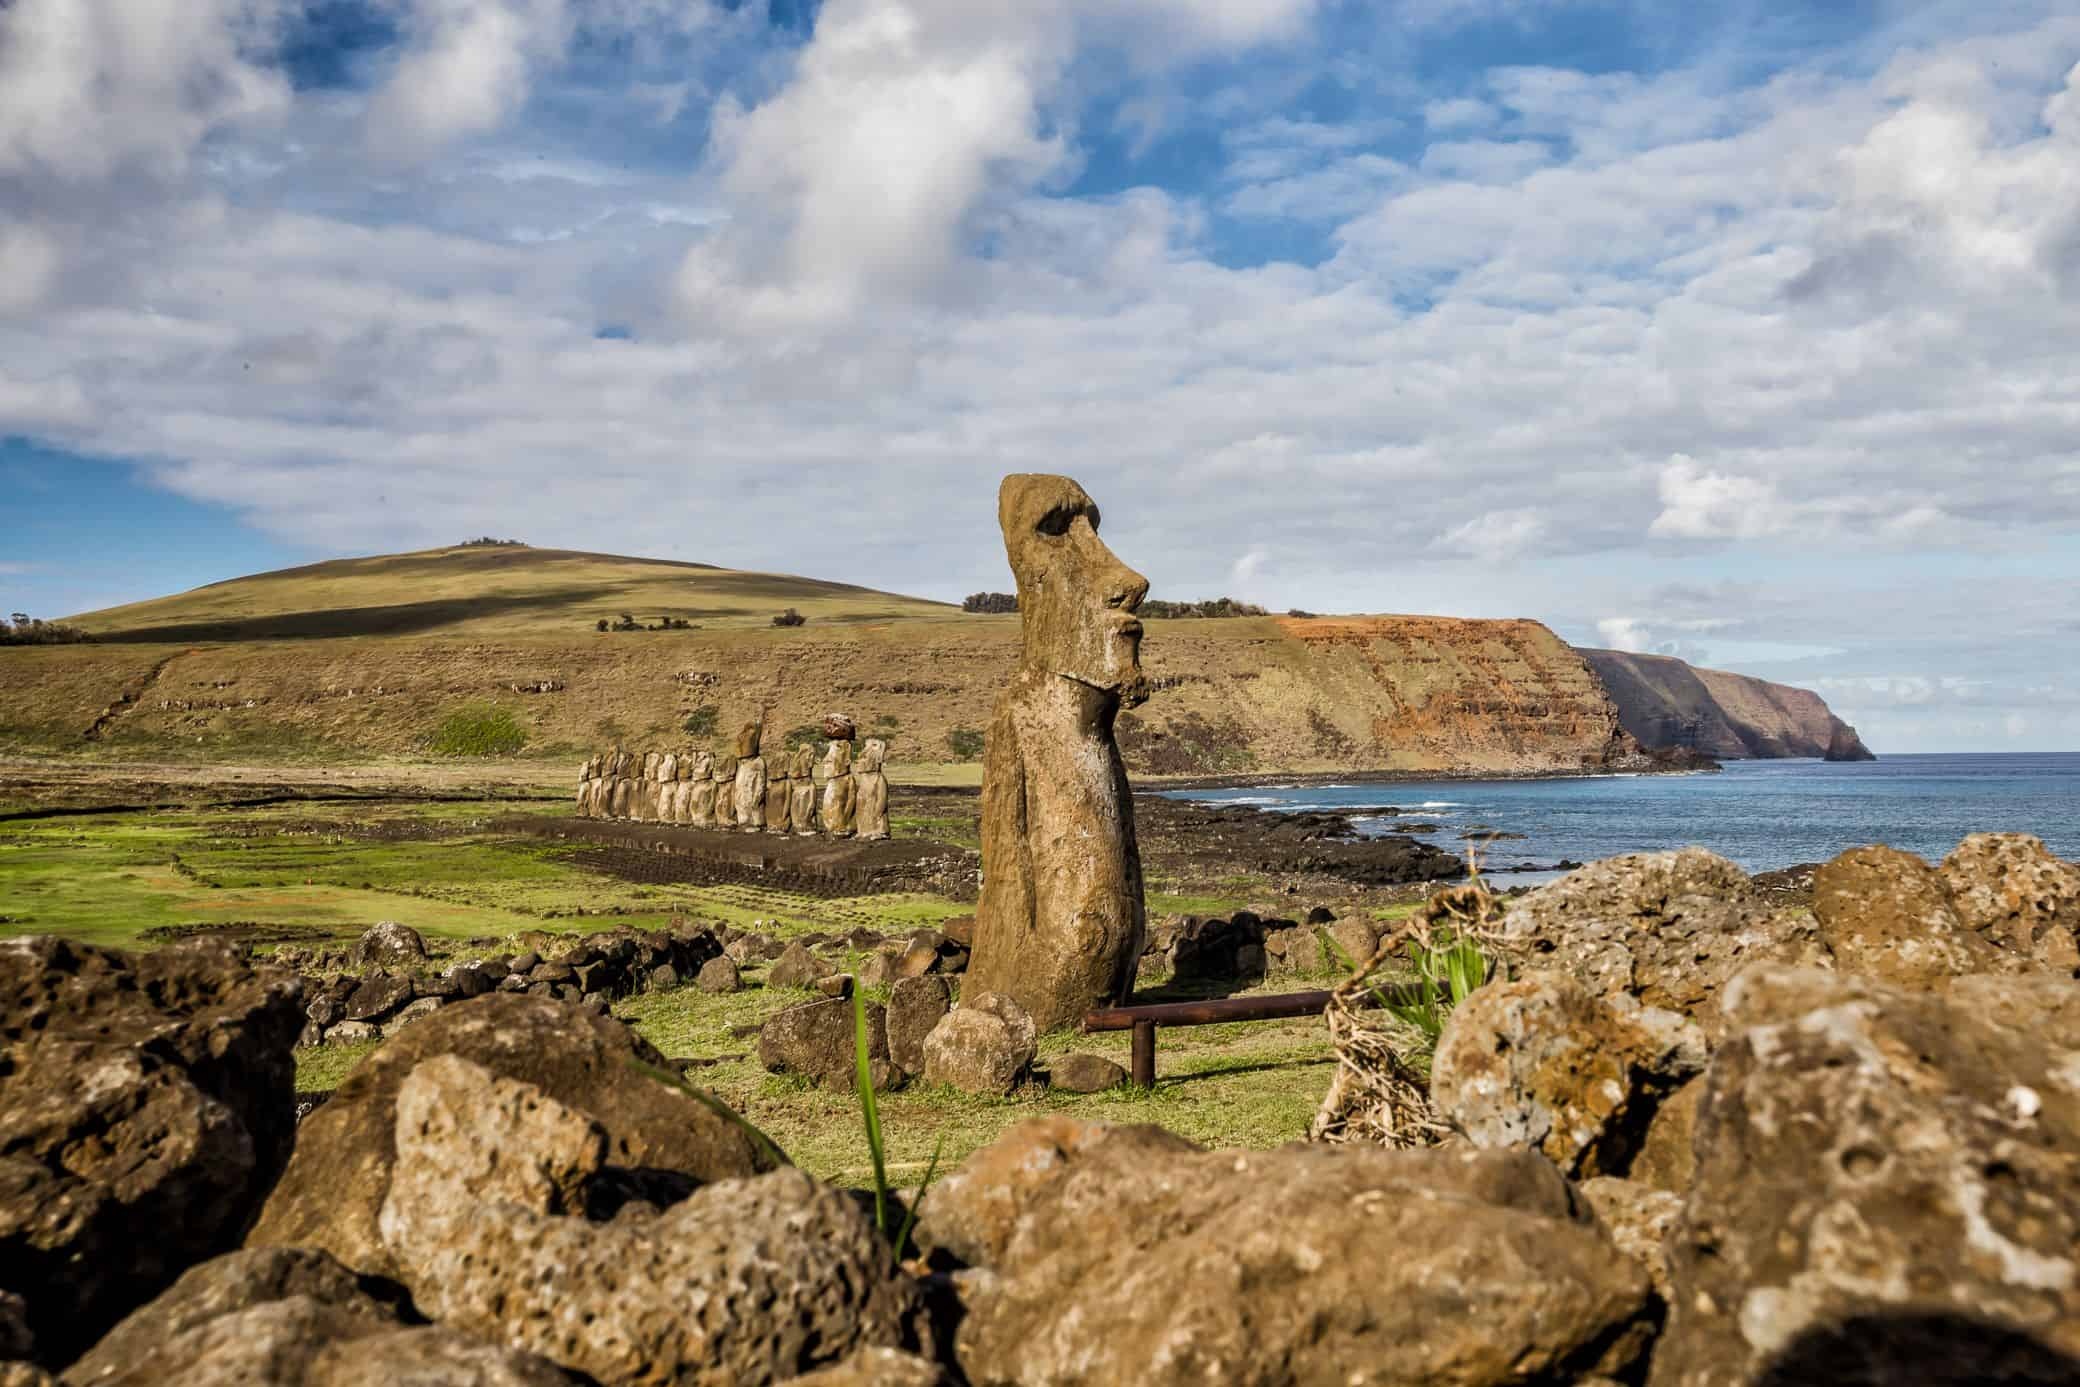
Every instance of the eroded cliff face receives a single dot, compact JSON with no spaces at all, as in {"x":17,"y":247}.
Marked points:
{"x":1232,"y":696}
{"x":1666,"y":704}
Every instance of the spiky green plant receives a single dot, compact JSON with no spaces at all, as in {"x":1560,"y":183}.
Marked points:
{"x":870,"y":1116}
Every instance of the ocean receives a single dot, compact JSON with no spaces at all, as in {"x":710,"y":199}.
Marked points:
{"x":1761,"y":814}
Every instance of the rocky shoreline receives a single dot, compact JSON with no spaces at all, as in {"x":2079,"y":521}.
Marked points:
{"x":1697,"y":1136}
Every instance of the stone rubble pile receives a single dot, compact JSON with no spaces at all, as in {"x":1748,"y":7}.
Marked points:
{"x":842,"y":793}
{"x":1697,"y":1140}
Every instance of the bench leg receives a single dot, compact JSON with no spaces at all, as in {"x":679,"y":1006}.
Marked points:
{"x":1144,"y":1054}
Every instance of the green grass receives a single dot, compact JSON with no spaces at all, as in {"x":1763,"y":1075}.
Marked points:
{"x":478,"y":729}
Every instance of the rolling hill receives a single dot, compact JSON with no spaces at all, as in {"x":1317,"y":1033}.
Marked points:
{"x":362,"y":659}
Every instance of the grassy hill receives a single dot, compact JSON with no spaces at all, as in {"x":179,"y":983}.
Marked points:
{"x":373,"y":659}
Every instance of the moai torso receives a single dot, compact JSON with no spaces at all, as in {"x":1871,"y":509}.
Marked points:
{"x":751,"y":781}
{"x":725,"y":792}
{"x":700,"y":802}
{"x":1061,"y":921}
{"x":838,"y":790}
{"x":802,"y":788}
{"x":779,"y":793}
{"x":870,"y":790}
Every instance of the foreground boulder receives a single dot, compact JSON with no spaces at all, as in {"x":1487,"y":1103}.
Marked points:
{"x":657,"y":1130}
{"x":291,"y":1317}
{"x":1668,"y":928}
{"x":149,"y":1105}
{"x":746,"y":1282}
{"x":983,"y":1046}
{"x":1885,"y":1191}
{"x":1885,"y":914}
{"x":1125,"y":1259}
{"x":2011,"y":890}
{"x":1540,"y":1063}
{"x":819,"y":1040}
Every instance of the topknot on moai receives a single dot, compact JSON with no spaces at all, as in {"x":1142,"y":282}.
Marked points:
{"x":1061,"y":921}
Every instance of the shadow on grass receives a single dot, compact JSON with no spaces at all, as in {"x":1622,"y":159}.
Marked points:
{"x":395,"y":619}
{"x":1226,"y":1071}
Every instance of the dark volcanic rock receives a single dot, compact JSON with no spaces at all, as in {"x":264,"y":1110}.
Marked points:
{"x":914,"y":1008}
{"x":1081,"y":1073}
{"x":149,"y":1104}
{"x":816,"y":1039}
{"x":388,"y":944}
{"x":336,"y":1183}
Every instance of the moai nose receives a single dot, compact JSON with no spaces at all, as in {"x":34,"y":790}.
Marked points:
{"x":1124,"y":588}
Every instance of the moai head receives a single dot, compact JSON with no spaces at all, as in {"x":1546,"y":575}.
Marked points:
{"x":837,"y":759}
{"x":726,"y":767}
{"x":703,"y":765}
{"x":1076,"y":598}
{"x":747,"y":739}
{"x":803,"y":766}
{"x":871,"y":755}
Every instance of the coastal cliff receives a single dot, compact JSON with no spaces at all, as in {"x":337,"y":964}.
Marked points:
{"x":1668,"y":704}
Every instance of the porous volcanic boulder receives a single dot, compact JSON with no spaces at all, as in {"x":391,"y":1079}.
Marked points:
{"x":2009,"y":888}
{"x":1670,"y":928}
{"x":1638,"y":1218}
{"x":336,"y":1182}
{"x":1130,"y":1262}
{"x":1885,"y":1188}
{"x":1219,"y":950}
{"x":745,"y":1282}
{"x":150,"y":1101}
{"x":388,"y":944}
{"x":1084,"y":1073}
{"x":915,"y":1006}
{"x":1540,"y":1063}
{"x":1884,"y":914}
{"x":719,"y":975}
{"x":377,"y":996}
{"x":818,"y":1040}
{"x":1666,"y":1159}
{"x":877,"y":1367}
{"x":797,"y":967}
{"x":982,"y":1046}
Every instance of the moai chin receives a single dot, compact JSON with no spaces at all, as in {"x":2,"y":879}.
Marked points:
{"x":751,"y":781}
{"x":839,"y":793}
{"x":1061,"y":921}
{"x":870,"y":785}
{"x":802,"y":786}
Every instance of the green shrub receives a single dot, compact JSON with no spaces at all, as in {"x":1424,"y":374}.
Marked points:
{"x":808,"y":734}
{"x":701,"y":721}
{"x":478,"y":729}
{"x":965,"y":743}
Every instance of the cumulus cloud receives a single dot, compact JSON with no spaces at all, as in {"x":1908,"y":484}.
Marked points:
{"x":464,"y":72}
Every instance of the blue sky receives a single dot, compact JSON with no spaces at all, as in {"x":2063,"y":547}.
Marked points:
{"x":1745,"y":332}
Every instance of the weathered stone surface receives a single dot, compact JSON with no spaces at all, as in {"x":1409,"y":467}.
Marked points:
{"x":718,"y":975}
{"x":17,"y":1342}
{"x":1306,"y":1264}
{"x":1219,"y":950}
{"x":816,"y":1039}
{"x":1540,"y":1063}
{"x":700,"y":798}
{"x":1671,"y":928}
{"x":1060,"y":923}
{"x":797,"y":967}
{"x":801,"y":809}
{"x":984,"y":1046}
{"x":915,"y":1006}
{"x":779,"y":811}
{"x":878,"y":969}
{"x":840,"y":794}
{"x":751,"y":794}
{"x":1637,"y":1217}
{"x":1084,"y":1073}
{"x":870,"y":790}
{"x":877,"y":1367}
{"x":1884,"y":1191}
{"x":377,"y":995}
{"x":149,"y":1102}
{"x":745,"y":1282}
{"x":1884,"y":913}
{"x":1667,"y":1159}
{"x":25,"y":1375}
{"x":837,"y":727}
{"x":353,"y":1033}
{"x":388,"y":944}
{"x":345,"y":1151}
{"x":2009,"y":888}
{"x":410,"y":1012}
{"x":725,"y":792}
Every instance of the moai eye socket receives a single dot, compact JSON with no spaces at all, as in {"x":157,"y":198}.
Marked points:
{"x":1056,"y":522}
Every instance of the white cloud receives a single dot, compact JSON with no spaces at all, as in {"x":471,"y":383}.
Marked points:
{"x":1697,"y":503}
{"x":464,"y":72}
{"x":1496,"y":536}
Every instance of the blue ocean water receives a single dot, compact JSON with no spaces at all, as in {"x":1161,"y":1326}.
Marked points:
{"x":1761,"y":814}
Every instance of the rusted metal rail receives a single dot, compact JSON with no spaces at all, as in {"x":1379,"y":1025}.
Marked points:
{"x":1143,"y":1020}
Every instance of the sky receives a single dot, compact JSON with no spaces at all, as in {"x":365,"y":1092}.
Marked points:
{"x":1748,"y":332}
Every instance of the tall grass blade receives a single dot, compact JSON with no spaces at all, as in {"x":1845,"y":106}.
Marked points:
{"x":863,"y":1082}
{"x":910,"y":1215}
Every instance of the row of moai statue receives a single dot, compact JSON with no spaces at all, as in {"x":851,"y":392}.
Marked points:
{"x":797,"y":792}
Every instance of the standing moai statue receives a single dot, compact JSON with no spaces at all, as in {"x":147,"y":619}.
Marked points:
{"x":700,"y":803}
{"x":621,"y":797}
{"x":1061,"y":921}
{"x":667,"y":778}
{"x":585,"y":774}
{"x":751,"y":780}
{"x":802,"y":789}
{"x":870,"y":790}
{"x":726,"y":791}
{"x":779,"y":816}
{"x":839,"y":793}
